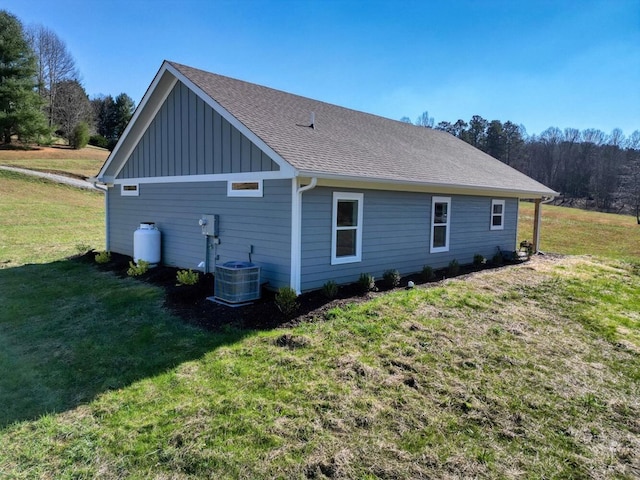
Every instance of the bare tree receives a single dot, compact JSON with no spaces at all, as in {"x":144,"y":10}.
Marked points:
{"x":72,"y":106}
{"x":424,"y":120}
{"x":630,"y":178}
{"x":55,"y":64}
{"x":616,"y":138}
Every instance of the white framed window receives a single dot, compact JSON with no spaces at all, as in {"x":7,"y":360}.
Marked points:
{"x":129,"y":189}
{"x":252,"y":188}
{"x":440,"y":224}
{"x":497,"y":215}
{"x":346,"y":234}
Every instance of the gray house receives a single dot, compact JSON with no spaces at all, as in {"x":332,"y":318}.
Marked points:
{"x":307,"y":190}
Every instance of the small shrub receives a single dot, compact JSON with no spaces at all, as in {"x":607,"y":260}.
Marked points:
{"x":391,"y":278}
{"x":98,"y":141}
{"x":479,"y":260}
{"x":187,"y":277}
{"x":454,"y":268}
{"x":497,"y":259}
{"x":366,"y":282}
{"x":286,"y":300}
{"x":80,"y":136}
{"x":427,"y":273}
{"x":103,"y":257}
{"x":82,"y":248}
{"x":45,"y":140}
{"x":138,"y":269}
{"x":330,"y":289}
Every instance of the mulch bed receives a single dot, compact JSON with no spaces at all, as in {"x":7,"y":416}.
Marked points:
{"x":190,"y":303}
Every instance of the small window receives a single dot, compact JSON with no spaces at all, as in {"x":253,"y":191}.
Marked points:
{"x":440,"y":224}
{"x":244,"y":189}
{"x":346,"y":238}
{"x":129,"y":190}
{"x":497,"y":214}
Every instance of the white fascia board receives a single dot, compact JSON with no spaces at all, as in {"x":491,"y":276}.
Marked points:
{"x":212,"y":177}
{"x":346,"y":181}
{"x":285,"y":166}
{"x":124,"y":138}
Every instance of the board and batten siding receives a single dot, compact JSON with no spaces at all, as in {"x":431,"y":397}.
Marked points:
{"x":396,"y":234}
{"x":175,"y":208}
{"x":188,"y":137}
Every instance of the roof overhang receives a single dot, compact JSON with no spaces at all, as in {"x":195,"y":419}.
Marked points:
{"x":347,"y":181}
{"x":151,"y":102}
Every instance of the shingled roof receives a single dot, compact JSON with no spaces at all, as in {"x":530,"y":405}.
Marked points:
{"x":347,"y":143}
{"x":351,"y":145}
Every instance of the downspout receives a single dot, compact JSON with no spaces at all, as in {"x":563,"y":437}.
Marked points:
{"x":314,"y":182}
{"x":107,"y":243}
{"x":296,"y":231}
{"x":94,"y":181}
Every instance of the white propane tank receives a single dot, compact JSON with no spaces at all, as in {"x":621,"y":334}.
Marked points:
{"x":146,"y":244}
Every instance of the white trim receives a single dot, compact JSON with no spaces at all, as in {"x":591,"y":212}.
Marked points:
{"x":107,"y":219}
{"x":337,"y":197}
{"x":287,"y":170}
{"x":515,"y":240}
{"x":296,"y":236}
{"x":129,"y":189}
{"x":371,"y":183}
{"x":447,"y":224}
{"x":285,"y":166}
{"x":152,"y":115}
{"x":231,"y":192}
{"x":212,"y":177}
{"x":495,"y":202}
{"x":134,"y":119}
{"x":296,"y":231}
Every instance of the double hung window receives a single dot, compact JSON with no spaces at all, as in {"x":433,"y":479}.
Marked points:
{"x":497,"y":215}
{"x":440,"y":224}
{"x":346,"y":239}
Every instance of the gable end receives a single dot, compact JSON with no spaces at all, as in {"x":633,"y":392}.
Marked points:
{"x":188,"y":137}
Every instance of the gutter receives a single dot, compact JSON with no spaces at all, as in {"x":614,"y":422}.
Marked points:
{"x":430,"y":186}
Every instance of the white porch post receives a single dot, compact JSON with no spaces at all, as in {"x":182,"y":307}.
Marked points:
{"x":537,"y":222}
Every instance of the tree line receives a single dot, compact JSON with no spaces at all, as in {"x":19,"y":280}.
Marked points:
{"x":588,"y":167}
{"x":41,"y":94}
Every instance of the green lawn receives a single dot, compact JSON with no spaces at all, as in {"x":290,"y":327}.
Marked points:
{"x":522,"y":372}
{"x":75,"y":166}
{"x":580,"y":232}
{"x":85,"y":162}
{"x":41,"y":221}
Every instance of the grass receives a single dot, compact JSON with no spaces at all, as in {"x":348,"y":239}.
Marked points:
{"x":84,"y":163}
{"x":573,"y":231}
{"x":523,"y":372}
{"x":506,"y":374}
{"x":41,"y":221}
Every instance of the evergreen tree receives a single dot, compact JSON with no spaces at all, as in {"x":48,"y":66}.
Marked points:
{"x":495,"y":141}
{"x":20,"y":104}
{"x":112,"y":116}
{"x":124,"y":107}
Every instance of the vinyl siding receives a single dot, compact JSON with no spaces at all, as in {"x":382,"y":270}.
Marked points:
{"x":176,"y":208}
{"x":396,"y":229}
{"x":188,"y":137}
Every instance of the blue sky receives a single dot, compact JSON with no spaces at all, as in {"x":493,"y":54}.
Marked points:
{"x":537,"y":63}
